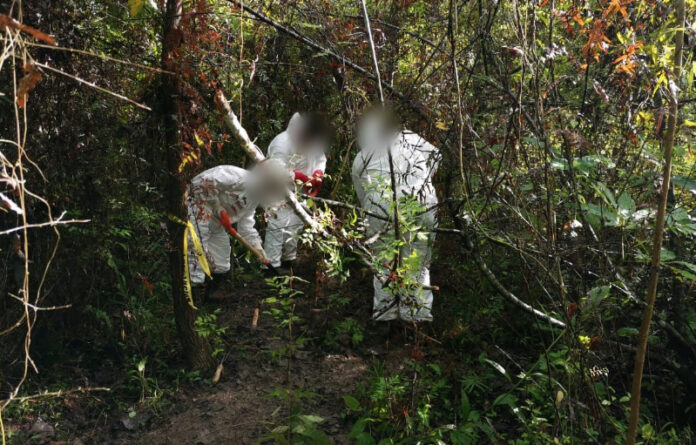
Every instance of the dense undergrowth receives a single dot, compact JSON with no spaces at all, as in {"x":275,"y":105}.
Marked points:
{"x":551,"y":130}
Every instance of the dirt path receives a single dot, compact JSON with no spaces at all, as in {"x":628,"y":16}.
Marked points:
{"x":238,"y":409}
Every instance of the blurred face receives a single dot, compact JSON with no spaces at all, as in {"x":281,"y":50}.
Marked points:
{"x":269,"y":181}
{"x":303,"y":142}
{"x":375,"y":131}
{"x":312,"y":143}
{"x":312,"y":135}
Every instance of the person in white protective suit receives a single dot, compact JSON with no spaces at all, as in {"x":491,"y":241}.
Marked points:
{"x":415,"y":162}
{"x":237,"y":192}
{"x":301,"y":148}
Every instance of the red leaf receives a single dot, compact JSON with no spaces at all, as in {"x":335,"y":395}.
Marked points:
{"x":146,"y":283}
{"x":572,"y":308}
{"x":31,"y":77}
{"x":594,"y":341}
{"x":9,"y":22}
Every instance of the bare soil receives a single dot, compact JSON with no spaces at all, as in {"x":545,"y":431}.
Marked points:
{"x":238,"y":409}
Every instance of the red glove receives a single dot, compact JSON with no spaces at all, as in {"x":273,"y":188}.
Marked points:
{"x":225,"y":222}
{"x":299,"y":176}
{"x":316,"y":183}
{"x":316,"y":177}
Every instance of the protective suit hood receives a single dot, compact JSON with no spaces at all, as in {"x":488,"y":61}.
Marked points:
{"x":295,"y":129}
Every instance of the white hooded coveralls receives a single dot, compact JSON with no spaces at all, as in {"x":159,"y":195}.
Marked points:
{"x":224,"y":187}
{"x":415,"y":162}
{"x":280,"y":243}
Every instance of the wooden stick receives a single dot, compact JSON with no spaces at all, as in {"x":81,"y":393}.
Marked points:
{"x":58,"y":393}
{"x":257,"y":253}
{"x":255,"y":319}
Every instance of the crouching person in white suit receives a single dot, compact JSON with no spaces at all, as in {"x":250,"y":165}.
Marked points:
{"x":415,"y":162}
{"x":236,"y":192}
{"x":301,"y":148}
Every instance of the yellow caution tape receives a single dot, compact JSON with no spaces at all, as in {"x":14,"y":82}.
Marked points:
{"x":200,"y":254}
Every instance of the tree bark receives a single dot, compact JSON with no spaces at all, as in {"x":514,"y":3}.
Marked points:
{"x":197,"y":350}
{"x":659,"y":228}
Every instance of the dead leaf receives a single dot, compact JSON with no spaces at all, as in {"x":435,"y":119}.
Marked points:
{"x":255,"y":319}
{"x":8,"y":22}
{"x":27,"y":83}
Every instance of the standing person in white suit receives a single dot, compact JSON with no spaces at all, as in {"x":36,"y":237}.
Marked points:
{"x":302,"y":149}
{"x":415,"y":162}
{"x":226,"y":195}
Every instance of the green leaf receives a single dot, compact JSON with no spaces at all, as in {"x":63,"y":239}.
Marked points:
{"x":464,"y":408}
{"x":136,"y":7}
{"x":311,"y":419}
{"x":666,"y":256}
{"x":588,"y":164}
{"x":626,"y":204}
{"x":647,"y":431}
{"x":597,"y":294}
{"x":686,"y":183}
{"x":627,"y":332}
{"x":690,"y":266}
{"x":533,"y":141}
{"x":687,"y":271}
{"x":505,"y":399}
{"x":559,"y":164}
{"x":605,"y":193}
{"x":351,"y":403}
{"x":498,"y":367}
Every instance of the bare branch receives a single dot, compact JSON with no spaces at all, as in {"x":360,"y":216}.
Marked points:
{"x":58,"y":393}
{"x":419,"y":108}
{"x":502,"y":290}
{"x":93,"y":85}
{"x":51,"y":223}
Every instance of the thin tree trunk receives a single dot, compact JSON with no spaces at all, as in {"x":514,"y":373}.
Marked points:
{"x":197,"y":350}
{"x":659,"y":229}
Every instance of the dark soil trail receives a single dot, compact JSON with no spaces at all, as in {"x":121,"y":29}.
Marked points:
{"x":238,"y":409}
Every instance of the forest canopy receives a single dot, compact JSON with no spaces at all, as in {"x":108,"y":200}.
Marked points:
{"x":554,"y":239}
